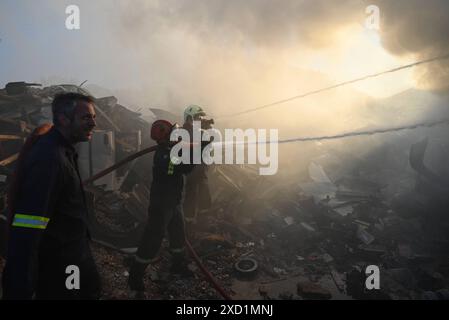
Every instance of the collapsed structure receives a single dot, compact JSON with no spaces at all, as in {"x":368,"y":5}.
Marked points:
{"x":306,"y":237}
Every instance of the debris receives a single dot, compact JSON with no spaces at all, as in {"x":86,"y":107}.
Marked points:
{"x":327,"y":258}
{"x":333,"y":219}
{"x":443,"y":294}
{"x":338,"y":279}
{"x":308,"y":227}
{"x":244,"y":245}
{"x":401,"y":275}
{"x":373,"y":250}
{"x":246,"y":266}
{"x":344,"y":211}
{"x":429,"y":279}
{"x":317,"y":174}
{"x":286,"y":295}
{"x":310,"y":290}
{"x":405,"y":251}
{"x":319,"y":191}
{"x":364,"y":224}
{"x":429,"y":295}
{"x":211,"y":242}
{"x":263,"y":291}
{"x":275,"y":213}
{"x":279,"y":271}
{"x":154,"y":276}
{"x":364,"y":236}
{"x":289,"y":220}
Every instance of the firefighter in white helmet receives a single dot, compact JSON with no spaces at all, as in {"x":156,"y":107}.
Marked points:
{"x":197,"y":194}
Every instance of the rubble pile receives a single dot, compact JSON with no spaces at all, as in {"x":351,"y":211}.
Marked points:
{"x":315,"y":239}
{"x":311,"y":236}
{"x":267,"y":240}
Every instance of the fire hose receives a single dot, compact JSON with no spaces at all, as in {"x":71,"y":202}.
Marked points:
{"x":192,"y":252}
{"x":338,"y":136}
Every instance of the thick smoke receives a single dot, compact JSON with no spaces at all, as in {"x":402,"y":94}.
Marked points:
{"x":413,"y":28}
{"x":420,"y":28}
{"x":230,"y":55}
{"x":259,"y":22}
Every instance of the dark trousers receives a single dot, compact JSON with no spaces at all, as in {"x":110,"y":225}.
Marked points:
{"x":163,"y":215}
{"x":197,"y":193}
{"x":52,"y":276}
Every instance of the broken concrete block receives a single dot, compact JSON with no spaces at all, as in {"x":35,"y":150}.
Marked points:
{"x":310,"y":290}
{"x":263,"y":291}
{"x":307,"y":227}
{"x":279,"y":271}
{"x":327,"y":258}
{"x":405,"y":251}
{"x":344,"y":211}
{"x":364,"y":236}
{"x":289,"y":220}
{"x":338,"y":279}
{"x":373,"y":250}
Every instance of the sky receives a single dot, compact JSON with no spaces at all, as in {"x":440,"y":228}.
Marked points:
{"x":36,"y":45}
{"x":226,"y":54}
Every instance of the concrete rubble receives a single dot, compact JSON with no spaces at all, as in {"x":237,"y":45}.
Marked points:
{"x":312,"y":236}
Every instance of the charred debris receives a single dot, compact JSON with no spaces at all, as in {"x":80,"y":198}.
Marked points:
{"x":262,"y":238}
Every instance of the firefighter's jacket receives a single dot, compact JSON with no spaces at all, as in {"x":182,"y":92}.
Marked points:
{"x":49,"y":213}
{"x":168,"y":177}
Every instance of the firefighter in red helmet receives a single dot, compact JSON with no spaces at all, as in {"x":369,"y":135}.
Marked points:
{"x":164,"y":213}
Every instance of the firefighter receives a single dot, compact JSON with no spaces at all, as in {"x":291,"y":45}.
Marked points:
{"x":165,"y":212}
{"x":48,"y":236}
{"x":197,"y":195}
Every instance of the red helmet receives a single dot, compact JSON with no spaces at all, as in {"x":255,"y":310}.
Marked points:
{"x":160,"y":130}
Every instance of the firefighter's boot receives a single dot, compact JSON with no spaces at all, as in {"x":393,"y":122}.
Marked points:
{"x":135,"y":280}
{"x":180,"y":265}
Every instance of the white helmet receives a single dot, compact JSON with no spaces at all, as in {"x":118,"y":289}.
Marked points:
{"x":192,"y":111}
